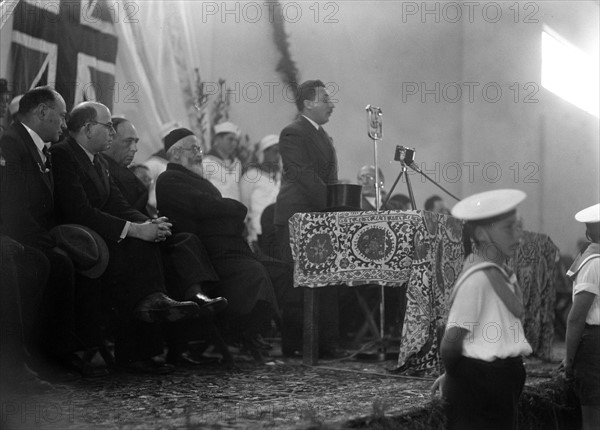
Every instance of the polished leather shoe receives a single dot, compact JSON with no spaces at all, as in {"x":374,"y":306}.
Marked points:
{"x":159,"y":307}
{"x":148,"y":367}
{"x":207,"y":305}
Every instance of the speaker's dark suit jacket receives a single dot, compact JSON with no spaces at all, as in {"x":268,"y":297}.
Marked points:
{"x":309,"y":164}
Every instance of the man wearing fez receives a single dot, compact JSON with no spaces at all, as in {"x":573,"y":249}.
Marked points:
{"x":27,"y":214}
{"x":221,"y":165}
{"x":87,"y":195}
{"x":195,"y":205}
{"x":309,"y":165}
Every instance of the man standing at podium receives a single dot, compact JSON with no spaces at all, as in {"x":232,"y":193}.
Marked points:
{"x":309,"y":165}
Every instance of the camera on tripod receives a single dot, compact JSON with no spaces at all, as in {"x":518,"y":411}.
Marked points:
{"x":404,"y":155}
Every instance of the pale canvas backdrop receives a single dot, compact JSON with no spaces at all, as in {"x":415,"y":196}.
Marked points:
{"x":409,"y":58}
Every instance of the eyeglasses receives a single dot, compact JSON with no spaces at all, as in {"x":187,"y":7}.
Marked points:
{"x":108,"y":125}
{"x":195,"y":149}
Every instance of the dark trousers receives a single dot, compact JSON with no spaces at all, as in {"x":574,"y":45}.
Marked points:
{"x":186,"y":263}
{"x":47,"y":306}
{"x":140,"y":268}
{"x":13,"y":353}
{"x":135,"y":270}
{"x":484,"y":395}
{"x":56,"y":320}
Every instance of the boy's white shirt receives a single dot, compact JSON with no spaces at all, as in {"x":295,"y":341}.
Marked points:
{"x":588,"y":279}
{"x":494,"y":332}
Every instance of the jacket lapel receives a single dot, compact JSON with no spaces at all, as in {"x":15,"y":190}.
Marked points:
{"x":320,"y":141}
{"x":82,"y":158}
{"x":105,"y":177}
{"x":46,"y":174}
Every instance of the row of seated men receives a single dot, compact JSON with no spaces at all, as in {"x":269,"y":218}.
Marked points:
{"x":164,"y":276}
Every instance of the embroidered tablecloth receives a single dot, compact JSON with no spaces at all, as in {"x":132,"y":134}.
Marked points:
{"x":386,"y":248}
{"x":536,"y":259}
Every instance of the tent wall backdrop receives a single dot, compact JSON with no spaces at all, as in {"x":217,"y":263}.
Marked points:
{"x":459,"y":81}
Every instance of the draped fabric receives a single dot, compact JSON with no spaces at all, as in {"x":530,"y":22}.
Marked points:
{"x":536,"y":259}
{"x":68,"y":44}
{"x":388,"y":248}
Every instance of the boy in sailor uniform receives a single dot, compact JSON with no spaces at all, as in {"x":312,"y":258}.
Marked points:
{"x":484,"y":338}
{"x":582,"y":362}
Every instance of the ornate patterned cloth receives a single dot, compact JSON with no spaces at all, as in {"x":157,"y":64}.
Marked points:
{"x":386,"y":248}
{"x":536,"y":259}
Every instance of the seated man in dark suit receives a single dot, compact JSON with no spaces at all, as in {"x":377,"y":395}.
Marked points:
{"x":118,"y":157}
{"x":86,"y":194}
{"x":196,"y":206}
{"x":27,"y":215}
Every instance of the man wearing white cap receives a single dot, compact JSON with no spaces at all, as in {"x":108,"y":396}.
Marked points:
{"x":582,"y":362}
{"x":484,"y":339}
{"x":260,"y":184}
{"x":221,"y":166}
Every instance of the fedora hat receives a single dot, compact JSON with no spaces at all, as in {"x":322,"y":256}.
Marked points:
{"x":85,"y":248}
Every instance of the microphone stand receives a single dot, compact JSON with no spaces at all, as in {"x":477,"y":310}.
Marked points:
{"x":375,"y":132}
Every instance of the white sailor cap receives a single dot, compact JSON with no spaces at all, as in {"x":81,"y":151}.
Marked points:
{"x":489,"y":204}
{"x":227,"y":127}
{"x":268,"y":141}
{"x":589,"y":215}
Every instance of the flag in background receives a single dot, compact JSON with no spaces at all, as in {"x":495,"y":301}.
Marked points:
{"x":68,"y":44}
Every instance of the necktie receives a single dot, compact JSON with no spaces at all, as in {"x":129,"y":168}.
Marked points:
{"x":98,"y":166}
{"x":46,"y":153}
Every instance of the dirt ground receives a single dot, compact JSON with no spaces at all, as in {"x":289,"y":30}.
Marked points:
{"x":280,"y":393}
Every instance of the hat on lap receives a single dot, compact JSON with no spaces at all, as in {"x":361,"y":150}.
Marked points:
{"x":85,"y":248}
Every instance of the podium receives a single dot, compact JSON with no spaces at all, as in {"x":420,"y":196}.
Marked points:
{"x":390,"y":248}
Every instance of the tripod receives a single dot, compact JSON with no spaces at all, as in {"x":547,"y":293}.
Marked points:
{"x":411,"y":195}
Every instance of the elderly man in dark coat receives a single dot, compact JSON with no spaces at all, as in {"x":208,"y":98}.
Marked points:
{"x":194,"y":205}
